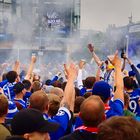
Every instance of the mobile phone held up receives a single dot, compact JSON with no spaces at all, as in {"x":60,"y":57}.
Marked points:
{"x":122,"y":53}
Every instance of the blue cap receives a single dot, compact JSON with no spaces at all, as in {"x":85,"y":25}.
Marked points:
{"x":138,"y":66}
{"x":131,"y":73}
{"x":102,"y":88}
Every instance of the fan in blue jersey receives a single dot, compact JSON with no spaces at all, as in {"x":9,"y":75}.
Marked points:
{"x":12,"y":110}
{"x":92,"y":114}
{"x":12,"y":78}
{"x":134,"y":95}
{"x":20,"y":91}
{"x":39,"y":100}
{"x":27,"y":85}
{"x":107,"y":70}
{"x":31,"y":125}
{"x":88,"y":83}
{"x":103,"y":90}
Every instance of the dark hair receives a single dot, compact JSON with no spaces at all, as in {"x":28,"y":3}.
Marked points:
{"x":89,"y":81}
{"x":15,"y":138}
{"x":106,"y":62}
{"x":57,"y":84}
{"x":4,"y":76}
{"x":77,"y":91}
{"x":53,"y":107}
{"x":128,"y":82}
{"x":64,"y":85}
{"x":11,"y":76}
{"x":78,"y":101}
{"x":119,"y":128}
{"x":18,"y":87}
{"x":47,"y":82}
{"x":3,"y":105}
{"x":27,"y":84}
{"x":87,"y":94}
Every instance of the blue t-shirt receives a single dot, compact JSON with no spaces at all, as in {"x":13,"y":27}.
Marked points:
{"x":115,"y":108}
{"x":62,"y":117}
{"x":26,"y":98}
{"x":3,"y":83}
{"x":20,"y":102}
{"x":77,"y":123}
{"x":12,"y":110}
{"x":8,"y":90}
{"x":133,"y":103}
{"x":83,"y":91}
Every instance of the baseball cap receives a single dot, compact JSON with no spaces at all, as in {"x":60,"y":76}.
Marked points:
{"x":102,"y":88}
{"x":18,"y":87}
{"x":131,"y":73}
{"x":31,"y":120}
{"x":138,"y":66}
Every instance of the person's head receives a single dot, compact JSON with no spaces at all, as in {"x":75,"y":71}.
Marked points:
{"x":39,"y":100}
{"x":89,"y":82}
{"x":138,"y":65}
{"x":12,"y":76}
{"x":36,"y":86}
{"x":57,"y":91}
{"x":78,"y":101}
{"x":47,"y":82}
{"x":36,"y":77}
{"x":54,"y":104}
{"x":19,"y":89}
{"x":4,"y":76}
{"x":47,"y":89}
{"x":109,"y":66}
{"x":30,"y":124}
{"x":27,"y":85}
{"x":3,"y":105}
{"x":87,"y":94}
{"x":92,"y":111}
{"x":103,"y":90}
{"x":119,"y":128}
{"x":57,"y":84}
{"x":131,"y":74}
{"x":128,"y":83}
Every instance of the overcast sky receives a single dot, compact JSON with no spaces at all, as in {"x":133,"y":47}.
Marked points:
{"x":97,"y":14}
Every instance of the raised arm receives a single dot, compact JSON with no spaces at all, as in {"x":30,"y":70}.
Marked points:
{"x":69,"y":92}
{"x":133,"y":67}
{"x":118,"y":78}
{"x":95,"y":57}
{"x":124,"y":62}
{"x":79,"y":77}
{"x":16,"y":66}
{"x":31,"y":67}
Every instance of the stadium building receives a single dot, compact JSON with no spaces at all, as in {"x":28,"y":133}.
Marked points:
{"x":37,"y":25}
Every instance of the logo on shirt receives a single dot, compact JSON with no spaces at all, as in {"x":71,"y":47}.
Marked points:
{"x":60,"y":113}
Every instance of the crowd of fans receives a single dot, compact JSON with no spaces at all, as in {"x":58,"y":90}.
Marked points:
{"x":105,"y":106}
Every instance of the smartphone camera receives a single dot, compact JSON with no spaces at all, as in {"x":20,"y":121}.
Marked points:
{"x":122,"y":54}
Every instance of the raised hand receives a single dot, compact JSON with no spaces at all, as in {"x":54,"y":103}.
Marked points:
{"x":91,"y":48}
{"x":72,"y":71}
{"x":114,"y":59}
{"x":82,"y":64}
{"x":33,"y":59}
